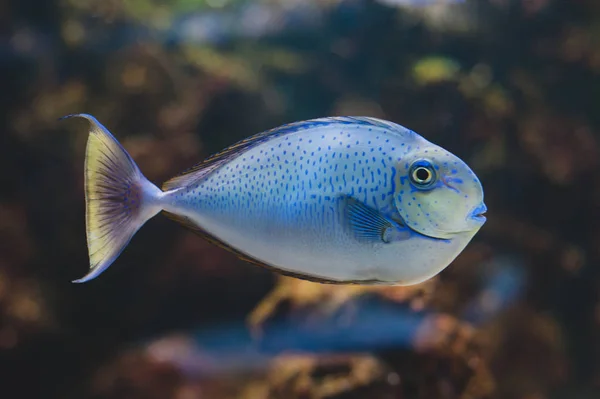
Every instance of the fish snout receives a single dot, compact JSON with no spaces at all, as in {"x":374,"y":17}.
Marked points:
{"x":477,"y":214}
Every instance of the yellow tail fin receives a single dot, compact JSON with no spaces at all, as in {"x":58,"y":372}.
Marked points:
{"x":118,"y":198}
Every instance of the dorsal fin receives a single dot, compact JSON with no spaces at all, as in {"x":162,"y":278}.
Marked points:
{"x":202,"y":169}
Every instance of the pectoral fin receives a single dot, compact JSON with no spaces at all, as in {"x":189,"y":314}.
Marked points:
{"x":369,"y":224}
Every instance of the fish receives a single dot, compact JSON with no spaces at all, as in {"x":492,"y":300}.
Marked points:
{"x":333,"y":200}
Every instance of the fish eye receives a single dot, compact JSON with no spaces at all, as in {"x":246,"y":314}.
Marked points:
{"x":422,"y":174}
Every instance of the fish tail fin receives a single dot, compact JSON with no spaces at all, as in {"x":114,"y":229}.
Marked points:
{"x":118,"y":198}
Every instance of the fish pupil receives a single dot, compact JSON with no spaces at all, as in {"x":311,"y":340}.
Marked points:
{"x":422,"y":175}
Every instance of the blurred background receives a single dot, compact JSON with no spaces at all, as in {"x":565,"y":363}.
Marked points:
{"x":510,"y":86}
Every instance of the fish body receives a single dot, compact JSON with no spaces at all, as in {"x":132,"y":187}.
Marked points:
{"x":334,"y":200}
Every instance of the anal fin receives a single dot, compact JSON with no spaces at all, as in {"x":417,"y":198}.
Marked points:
{"x":192,"y":226}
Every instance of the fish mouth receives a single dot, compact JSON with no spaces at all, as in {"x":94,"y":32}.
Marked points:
{"x":477,"y":214}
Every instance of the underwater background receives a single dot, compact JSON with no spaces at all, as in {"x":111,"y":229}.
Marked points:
{"x":510,"y":86}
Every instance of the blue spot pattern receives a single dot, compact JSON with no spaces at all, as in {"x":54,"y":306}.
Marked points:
{"x":297,"y":179}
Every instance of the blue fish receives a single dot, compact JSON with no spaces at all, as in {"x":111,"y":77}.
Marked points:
{"x":340,"y":200}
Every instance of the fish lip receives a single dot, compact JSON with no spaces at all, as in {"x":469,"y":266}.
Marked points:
{"x":477,"y":213}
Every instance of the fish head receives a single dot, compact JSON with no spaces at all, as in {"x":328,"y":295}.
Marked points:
{"x":437,"y":194}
